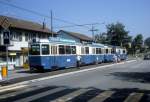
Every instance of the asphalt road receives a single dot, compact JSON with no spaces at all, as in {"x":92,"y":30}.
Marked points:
{"x":128,"y":82}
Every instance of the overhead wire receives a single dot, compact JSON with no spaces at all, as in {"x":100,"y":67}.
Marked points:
{"x":48,"y":17}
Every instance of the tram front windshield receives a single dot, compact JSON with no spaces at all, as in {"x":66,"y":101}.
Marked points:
{"x":35,"y":49}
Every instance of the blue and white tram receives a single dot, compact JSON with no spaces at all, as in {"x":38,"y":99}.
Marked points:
{"x":120,"y":52}
{"x":98,"y":52}
{"x":51,"y":54}
{"x":64,"y":53}
{"x":90,"y":53}
{"x":109,"y":55}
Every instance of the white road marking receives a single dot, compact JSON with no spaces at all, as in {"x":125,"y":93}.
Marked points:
{"x":60,"y":75}
{"x":134,"y":97}
{"x":25,"y":90}
{"x":42,"y":94}
{"x":12,"y":88}
{"x":102,"y":96}
{"x":70,"y":96}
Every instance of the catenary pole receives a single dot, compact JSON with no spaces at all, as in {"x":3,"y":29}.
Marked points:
{"x":52,"y":23}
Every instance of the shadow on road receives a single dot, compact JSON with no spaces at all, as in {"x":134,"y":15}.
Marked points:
{"x":119,"y":95}
{"x":142,"y":77}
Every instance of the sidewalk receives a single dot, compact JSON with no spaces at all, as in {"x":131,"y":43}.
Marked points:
{"x":16,"y":74}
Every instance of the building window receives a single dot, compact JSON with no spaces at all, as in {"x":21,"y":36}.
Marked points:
{"x":45,"y":49}
{"x":16,"y":35}
{"x":26,"y":37}
{"x":39,"y":36}
{"x":34,"y":36}
{"x":20,"y":36}
{"x":31,"y":36}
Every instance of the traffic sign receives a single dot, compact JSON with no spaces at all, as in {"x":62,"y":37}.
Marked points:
{"x":5,"y":23}
{"x":6,"y":37}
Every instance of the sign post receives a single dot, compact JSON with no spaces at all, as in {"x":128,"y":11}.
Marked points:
{"x":6,"y":41}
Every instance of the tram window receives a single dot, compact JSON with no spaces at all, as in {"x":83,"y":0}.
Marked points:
{"x":124,"y":51}
{"x":35,"y":50}
{"x":119,"y":51}
{"x":45,"y":49}
{"x":100,"y":51}
{"x":106,"y":51}
{"x":109,"y":51}
{"x":97,"y":52}
{"x":93,"y":50}
{"x":87,"y":50}
{"x":68,"y":50}
{"x":82,"y":50}
{"x":61,"y":49}
{"x":73,"y":49}
{"x":112,"y":51}
{"x":53,"y":49}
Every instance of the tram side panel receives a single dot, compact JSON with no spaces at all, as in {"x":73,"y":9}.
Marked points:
{"x":109,"y":57}
{"x":35,"y":62}
{"x":65,"y":61}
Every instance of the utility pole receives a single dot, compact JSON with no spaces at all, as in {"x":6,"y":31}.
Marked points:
{"x":52,"y":23}
{"x":93,"y":30}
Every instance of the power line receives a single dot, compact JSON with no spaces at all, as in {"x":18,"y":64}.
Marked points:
{"x":39,"y":14}
{"x":72,"y":24}
{"x":24,"y":9}
{"x":77,"y":25}
{"x":93,"y":34}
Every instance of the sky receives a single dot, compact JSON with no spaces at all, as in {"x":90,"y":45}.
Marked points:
{"x":134,"y":14}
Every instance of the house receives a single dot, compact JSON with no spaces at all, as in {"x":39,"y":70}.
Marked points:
{"x":79,"y":38}
{"x":21,"y":32}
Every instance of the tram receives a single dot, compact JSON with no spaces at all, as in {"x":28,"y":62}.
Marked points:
{"x":64,"y":53}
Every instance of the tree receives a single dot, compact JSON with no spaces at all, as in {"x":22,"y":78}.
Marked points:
{"x":101,"y":38}
{"x":147,"y":42}
{"x":117,"y":35}
{"x":138,"y":43}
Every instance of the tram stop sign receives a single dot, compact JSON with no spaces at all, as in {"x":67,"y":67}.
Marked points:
{"x":6,"y":36}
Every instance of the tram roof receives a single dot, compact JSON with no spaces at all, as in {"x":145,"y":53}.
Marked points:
{"x":98,"y":45}
{"x":50,"y":41}
{"x":112,"y":46}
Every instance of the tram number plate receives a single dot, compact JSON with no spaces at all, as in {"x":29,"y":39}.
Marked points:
{"x":68,"y":60}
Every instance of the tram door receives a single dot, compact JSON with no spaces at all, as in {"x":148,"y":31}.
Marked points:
{"x":54,"y":53}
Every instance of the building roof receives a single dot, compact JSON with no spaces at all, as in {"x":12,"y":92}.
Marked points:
{"x":25,"y":25}
{"x":78,"y":35}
